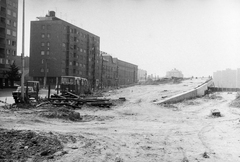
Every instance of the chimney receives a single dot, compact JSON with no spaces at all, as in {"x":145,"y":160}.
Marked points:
{"x":51,"y":13}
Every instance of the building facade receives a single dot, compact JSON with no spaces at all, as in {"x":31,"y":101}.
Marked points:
{"x":58,"y":48}
{"x":109,"y":70}
{"x":142,"y":75}
{"x":8,"y":37}
{"x":227,"y":78}
{"x":174,"y":73}
{"x":127,"y":73}
{"x":115,"y":72}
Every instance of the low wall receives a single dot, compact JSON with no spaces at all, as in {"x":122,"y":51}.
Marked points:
{"x":220,"y":89}
{"x":196,"y":92}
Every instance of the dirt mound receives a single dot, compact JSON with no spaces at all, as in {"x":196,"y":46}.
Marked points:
{"x":22,"y":145}
{"x":87,"y":118}
{"x":236,"y":101}
{"x":61,"y":113}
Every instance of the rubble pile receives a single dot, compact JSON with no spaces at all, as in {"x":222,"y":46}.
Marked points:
{"x":213,"y":96}
{"x":61,"y":113}
{"x":22,"y":145}
{"x":75,"y":101}
{"x":236,"y":101}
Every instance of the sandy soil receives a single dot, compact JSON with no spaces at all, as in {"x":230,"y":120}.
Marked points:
{"x":139,"y":130}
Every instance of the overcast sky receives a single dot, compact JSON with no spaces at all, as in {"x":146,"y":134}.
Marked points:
{"x":197,"y":37}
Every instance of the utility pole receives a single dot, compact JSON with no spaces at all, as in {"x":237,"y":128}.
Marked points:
{"x":22,"y":56}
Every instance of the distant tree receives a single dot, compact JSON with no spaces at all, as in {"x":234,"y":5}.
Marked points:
{"x":12,"y":74}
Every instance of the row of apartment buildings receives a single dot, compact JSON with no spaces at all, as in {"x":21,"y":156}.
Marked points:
{"x":59,"y":48}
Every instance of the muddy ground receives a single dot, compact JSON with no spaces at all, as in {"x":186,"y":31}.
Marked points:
{"x":137,"y":129}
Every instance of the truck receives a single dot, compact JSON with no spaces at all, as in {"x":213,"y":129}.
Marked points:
{"x":32,"y":92}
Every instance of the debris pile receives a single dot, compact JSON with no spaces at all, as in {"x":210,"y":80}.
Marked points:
{"x":61,"y":113}
{"x":236,"y":101}
{"x":75,"y":101}
{"x":22,"y":145}
{"x":213,"y":96}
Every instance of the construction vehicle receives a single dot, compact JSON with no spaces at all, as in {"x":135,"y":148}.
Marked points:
{"x":31,"y":90}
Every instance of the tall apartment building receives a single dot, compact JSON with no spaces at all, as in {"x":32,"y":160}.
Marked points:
{"x":8,"y":36}
{"x":58,"y":48}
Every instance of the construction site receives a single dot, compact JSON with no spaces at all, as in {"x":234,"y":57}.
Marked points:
{"x":130,"y":124}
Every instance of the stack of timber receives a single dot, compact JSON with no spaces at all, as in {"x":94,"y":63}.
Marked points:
{"x":75,"y":101}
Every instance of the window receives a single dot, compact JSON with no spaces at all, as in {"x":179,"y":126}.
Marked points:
{"x":81,"y":50}
{"x":15,"y":24}
{"x":7,"y":61}
{"x":14,"y":53}
{"x":70,"y":63}
{"x":64,"y":44}
{"x":43,"y":26}
{"x":8,"y":22}
{"x":8,"y":12}
{"x":8,"y":32}
{"x":14,"y":33}
{"x":12,"y":62}
{"x":48,"y":35}
{"x":14,"y":5}
{"x":43,"y":35}
{"x":3,"y":20}
{"x":8,"y":51}
{"x":1,"y":61}
{"x":84,"y":51}
{"x":14,"y":14}
{"x":48,"y":44}
{"x":3,"y":9}
{"x":48,"y":53}
{"x":42,"y":70}
{"x":8,"y":41}
{"x":42,"y":52}
{"x":13,"y":43}
{"x":42,"y":61}
{"x":43,"y":44}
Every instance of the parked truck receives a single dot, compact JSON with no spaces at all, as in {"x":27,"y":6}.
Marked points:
{"x":32,"y":92}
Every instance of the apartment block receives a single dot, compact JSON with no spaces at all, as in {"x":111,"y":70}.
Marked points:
{"x":8,"y":36}
{"x":142,"y":75}
{"x":58,"y":48}
{"x":109,"y":77}
{"x":127,"y":73}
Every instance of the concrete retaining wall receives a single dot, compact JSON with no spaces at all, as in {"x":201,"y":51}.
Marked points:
{"x":196,"y":92}
{"x":219,"y":89}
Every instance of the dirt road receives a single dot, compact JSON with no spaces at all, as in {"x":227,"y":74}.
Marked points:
{"x":139,"y":130}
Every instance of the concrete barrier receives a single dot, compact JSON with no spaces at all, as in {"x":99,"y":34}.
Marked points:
{"x":196,"y":92}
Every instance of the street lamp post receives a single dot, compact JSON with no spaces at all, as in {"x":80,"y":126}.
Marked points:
{"x":22,"y":56}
